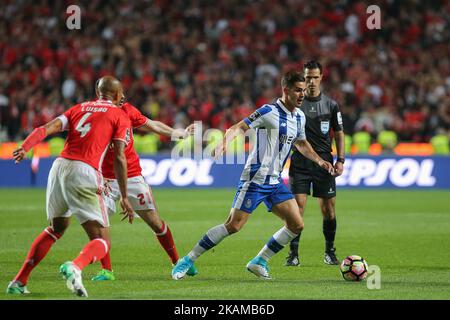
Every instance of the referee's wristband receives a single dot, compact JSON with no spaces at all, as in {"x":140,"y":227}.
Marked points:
{"x":341,"y":160}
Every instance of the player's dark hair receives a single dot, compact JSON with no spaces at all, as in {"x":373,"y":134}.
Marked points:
{"x":290,"y":78}
{"x":313,"y":64}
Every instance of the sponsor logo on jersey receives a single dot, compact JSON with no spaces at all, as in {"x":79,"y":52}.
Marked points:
{"x":255,"y":115}
{"x":286,"y":139}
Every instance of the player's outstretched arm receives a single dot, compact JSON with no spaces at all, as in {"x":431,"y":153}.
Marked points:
{"x":162,"y":129}
{"x":120,"y":171}
{"x":235,"y":130}
{"x":37,"y":136}
{"x":305,"y":148}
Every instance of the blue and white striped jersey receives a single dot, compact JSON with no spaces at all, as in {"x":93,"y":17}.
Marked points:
{"x":276,"y":131}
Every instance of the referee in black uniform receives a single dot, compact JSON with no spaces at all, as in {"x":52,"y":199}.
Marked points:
{"x":322,"y":116}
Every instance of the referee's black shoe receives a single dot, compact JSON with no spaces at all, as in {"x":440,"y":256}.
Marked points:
{"x":292,"y":260}
{"x":330,"y":257}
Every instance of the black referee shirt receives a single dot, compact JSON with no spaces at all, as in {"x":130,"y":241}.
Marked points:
{"x":322,"y":114}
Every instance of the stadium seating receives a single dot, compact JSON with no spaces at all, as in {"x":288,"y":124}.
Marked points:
{"x":225,"y":87}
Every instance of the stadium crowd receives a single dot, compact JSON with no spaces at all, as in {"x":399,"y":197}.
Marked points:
{"x":216,"y":61}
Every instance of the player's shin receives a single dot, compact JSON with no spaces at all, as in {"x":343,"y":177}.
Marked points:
{"x":106,"y":262}
{"x":209,"y":240}
{"x":39,"y":249}
{"x":293,"y":246}
{"x":278,"y":241}
{"x":165,"y":238}
{"x":94,"y":251}
{"x":329,"y":231}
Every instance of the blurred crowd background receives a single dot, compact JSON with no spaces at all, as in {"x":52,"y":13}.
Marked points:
{"x":216,"y":61}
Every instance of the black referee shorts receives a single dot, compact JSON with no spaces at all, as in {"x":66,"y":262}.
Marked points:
{"x":304,"y":174}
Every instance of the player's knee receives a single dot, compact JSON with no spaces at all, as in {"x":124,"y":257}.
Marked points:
{"x":296,"y":227}
{"x":233,"y":227}
{"x":299,"y":227}
{"x":59,"y":228}
{"x":155,"y":225}
{"x":328,"y":211}
{"x":331,"y":216}
{"x":151,"y":218}
{"x":55,"y":232}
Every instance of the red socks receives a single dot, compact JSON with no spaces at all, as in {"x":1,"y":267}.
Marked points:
{"x":92,"y":252}
{"x":38,"y":251}
{"x":106,"y":262}
{"x":95,"y":250}
{"x":166,"y":240}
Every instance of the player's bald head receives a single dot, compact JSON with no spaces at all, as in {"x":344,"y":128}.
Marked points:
{"x":110,"y":88}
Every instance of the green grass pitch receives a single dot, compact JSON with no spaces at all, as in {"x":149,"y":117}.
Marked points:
{"x":405,"y":233}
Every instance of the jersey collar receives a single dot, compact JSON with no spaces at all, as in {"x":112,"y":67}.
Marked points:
{"x":281,"y":105}
{"x":109,"y":101}
{"x":314,"y":99}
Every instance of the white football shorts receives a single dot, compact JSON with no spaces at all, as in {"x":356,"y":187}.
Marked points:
{"x":139,"y":194}
{"x":75,"y":188}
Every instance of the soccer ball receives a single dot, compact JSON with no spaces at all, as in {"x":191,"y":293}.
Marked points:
{"x":354,"y":268}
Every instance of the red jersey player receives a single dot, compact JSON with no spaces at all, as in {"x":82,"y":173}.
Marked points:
{"x":75,"y":183}
{"x":139,"y":192}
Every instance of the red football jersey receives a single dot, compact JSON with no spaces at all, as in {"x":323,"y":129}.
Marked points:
{"x":92,"y":126}
{"x":137,"y":119}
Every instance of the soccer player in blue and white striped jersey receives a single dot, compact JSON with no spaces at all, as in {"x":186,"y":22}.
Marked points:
{"x":279,"y":127}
